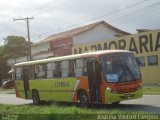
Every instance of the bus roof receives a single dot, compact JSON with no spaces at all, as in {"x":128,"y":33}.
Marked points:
{"x":69,"y":57}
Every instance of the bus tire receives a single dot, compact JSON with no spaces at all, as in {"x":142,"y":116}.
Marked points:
{"x":35,"y":97}
{"x":83,"y":99}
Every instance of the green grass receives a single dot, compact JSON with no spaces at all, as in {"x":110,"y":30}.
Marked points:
{"x":62,"y":112}
{"x":31,"y":112}
{"x":59,"y":112}
{"x":152,"y":90}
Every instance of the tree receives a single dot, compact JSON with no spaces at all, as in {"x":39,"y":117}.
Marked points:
{"x":1,"y":64}
{"x":1,"y":52}
{"x":14,"y":47}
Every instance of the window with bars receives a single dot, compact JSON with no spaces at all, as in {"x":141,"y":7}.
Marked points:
{"x":152,"y":60}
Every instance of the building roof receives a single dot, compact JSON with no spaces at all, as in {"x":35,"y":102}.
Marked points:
{"x":73,"y":32}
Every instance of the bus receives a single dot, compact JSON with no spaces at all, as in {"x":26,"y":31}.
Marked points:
{"x":103,"y":77}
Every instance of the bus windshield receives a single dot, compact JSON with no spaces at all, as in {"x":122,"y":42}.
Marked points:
{"x":120,"y":67}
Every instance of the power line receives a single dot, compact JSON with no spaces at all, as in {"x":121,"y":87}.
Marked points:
{"x":94,"y":18}
{"x":149,"y":7}
{"x":56,"y":4}
{"x":42,"y":8}
{"x":110,"y":13}
{"x":39,"y":7}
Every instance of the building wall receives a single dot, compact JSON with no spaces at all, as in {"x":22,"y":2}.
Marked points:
{"x":143,"y":45}
{"x":40,"y":51}
{"x":101,"y":32}
{"x":40,"y":48}
{"x":62,"y":47}
{"x":11,"y":62}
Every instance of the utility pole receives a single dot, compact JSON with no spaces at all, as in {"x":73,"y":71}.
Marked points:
{"x":28,"y":34}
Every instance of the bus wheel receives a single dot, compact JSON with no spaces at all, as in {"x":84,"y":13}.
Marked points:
{"x":35,"y":97}
{"x":116,"y":103}
{"x":83,"y":99}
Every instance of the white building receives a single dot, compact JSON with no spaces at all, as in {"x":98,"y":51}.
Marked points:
{"x":41,"y":50}
{"x":97,"y":32}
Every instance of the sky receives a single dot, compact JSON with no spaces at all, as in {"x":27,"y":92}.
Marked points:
{"x":54,"y":16}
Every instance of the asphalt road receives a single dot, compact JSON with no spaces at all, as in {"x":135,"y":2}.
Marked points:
{"x":149,"y":103}
{"x":10,"y":98}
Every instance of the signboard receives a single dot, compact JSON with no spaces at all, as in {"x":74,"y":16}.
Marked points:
{"x":137,"y":43}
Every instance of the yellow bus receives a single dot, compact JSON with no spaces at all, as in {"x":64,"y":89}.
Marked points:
{"x":104,"y":77}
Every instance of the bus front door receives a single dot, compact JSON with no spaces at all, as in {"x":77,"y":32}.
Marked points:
{"x":26,"y":81}
{"x":94,"y":81}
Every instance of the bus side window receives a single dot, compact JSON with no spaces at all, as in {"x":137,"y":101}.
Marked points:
{"x":50,"y":69}
{"x":71,"y":68}
{"x":19,"y":73}
{"x":85,"y":68}
{"x":39,"y":71}
{"x":65,"y":66}
{"x":31,"y":72}
{"x":79,"y":67}
{"x":58,"y":70}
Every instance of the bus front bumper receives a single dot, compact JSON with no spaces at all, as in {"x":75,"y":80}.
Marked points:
{"x":115,"y":97}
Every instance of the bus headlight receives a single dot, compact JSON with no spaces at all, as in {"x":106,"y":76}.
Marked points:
{"x":111,"y":90}
{"x":140,"y":85}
